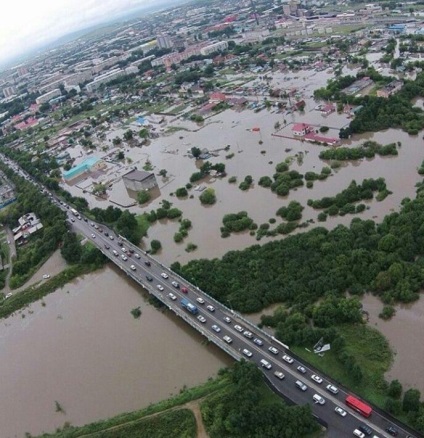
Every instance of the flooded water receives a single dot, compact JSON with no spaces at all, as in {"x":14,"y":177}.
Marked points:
{"x":85,"y":350}
{"x":404,"y":332}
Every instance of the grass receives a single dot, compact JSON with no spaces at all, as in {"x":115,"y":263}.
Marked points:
{"x":372,"y":352}
{"x":99,"y":428}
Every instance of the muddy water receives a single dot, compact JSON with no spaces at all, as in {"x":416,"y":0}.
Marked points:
{"x":86,"y":351}
{"x":404,"y":333}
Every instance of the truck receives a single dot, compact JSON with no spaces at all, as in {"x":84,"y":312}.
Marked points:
{"x":186,"y":304}
{"x":74,"y":212}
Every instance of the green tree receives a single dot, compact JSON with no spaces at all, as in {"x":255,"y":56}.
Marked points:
{"x":143,"y":197}
{"x":411,"y":400}
{"x":208,"y":197}
{"x":395,"y":389}
{"x":155,"y":246}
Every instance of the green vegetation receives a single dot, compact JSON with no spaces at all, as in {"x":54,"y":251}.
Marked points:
{"x":343,"y":202}
{"x":181,"y":192}
{"x":143,"y":197}
{"x":206,"y":169}
{"x":191,"y":247}
{"x":387,"y":313}
{"x":293,"y":212}
{"x":235,"y":223}
{"x":136,"y":312}
{"x":208,"y":196}
{"x":247,"y":408}
{"x":246,"y":183}
{"x":185,"y":225}
{"x":232,"y":179}
{"x":367,"y":150}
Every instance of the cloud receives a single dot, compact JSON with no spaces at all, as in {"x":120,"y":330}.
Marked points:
{"x":25,"y":25}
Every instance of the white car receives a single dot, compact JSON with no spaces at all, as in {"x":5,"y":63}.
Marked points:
{"x":8,"y":295}
{"x":288,"y":359}
{"x":160,"y":287}
{"x":332,"y":389}
{"x":318,"y":399}
{"x":202,"y":319}
{"x":200,"y":300}
{"x":273,"y":350}
{"x":133,"y":267}
{"x":172,"y":296}
{"x":111,"y":237}
{"x":227,"y":339}
{"x":124,"y":257}
{"x":215,"y":328}
{"x":137,"y":256}
{"x":175,"y":284}
{"x":340,"y":411}
{"x":163,"y":275}
{"x":46,"y":276}
{"x":210,"y":308}
{"x":248,"y":334}
{"x":301,"y":369}
{"x":247,"y":353}
{"x":238,"y":328}
{"x":316,"y":378}
{"x":227,"y":320}
{"x":279,"y":375}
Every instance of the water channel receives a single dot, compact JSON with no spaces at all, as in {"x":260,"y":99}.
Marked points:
{"x":83,"y":349}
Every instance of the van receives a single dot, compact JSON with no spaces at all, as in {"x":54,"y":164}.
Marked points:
{"x":299,"y":384}
{"x":318,"y":399}
{"x":266,"y":364}
{"x":358,"y":433}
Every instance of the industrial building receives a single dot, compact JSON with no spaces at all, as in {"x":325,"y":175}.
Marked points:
{"x":138,"y":180}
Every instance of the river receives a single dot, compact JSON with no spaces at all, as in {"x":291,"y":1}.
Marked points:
{"x":83,"y":349}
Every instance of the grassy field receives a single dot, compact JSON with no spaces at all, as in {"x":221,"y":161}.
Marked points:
{"x":373,"y":353}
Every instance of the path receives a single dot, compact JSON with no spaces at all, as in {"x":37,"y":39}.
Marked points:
{"x":194,"y":406}
{"x":12,"y":256}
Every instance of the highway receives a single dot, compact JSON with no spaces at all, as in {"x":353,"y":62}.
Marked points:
{"x":220,"y":321}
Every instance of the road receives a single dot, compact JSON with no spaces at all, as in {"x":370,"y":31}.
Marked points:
{"x":150,"y":273}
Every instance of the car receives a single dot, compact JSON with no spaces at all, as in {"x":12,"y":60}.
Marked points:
{"x":301,"y":369}
{"x":200,"y":300}
{"x":266,"y":364}
{"x":238,"y":328}
{"x":111,"y":237}
{"x":164,"y":275}
{"x":8,"y":295}
{"x":300,"y":385}
{"x":79,"y":217}
{"x":392,"y":431}
{"x":247,"y":334}
{"x":202,"y":319}
{"x":288,"y":359}
{"x":318,"y":399}
{"x":210,"y":308}
{"x":227,"y":320}
{"x":107,"y":246}
{"x":106,"y":234}
{"x":133,"y":267}
{"x":93,"y":236}
{"x":258,"y":341}
{"x":100,"y":230}
{"x":92,"y":224}
{"x":115,"y":253}
{"x":184,"y":290}
{"x":172,"y":296}
{"x":316,"y":378}
{"x":273,"y":350}
{"x":124,"y":257}
{"x":175,"y":284}
{"x":147,"y":263}
{"x":85,"y":219}
{"x":333,"y":389}
{"x":160,"y":287}
{"x":149,"y":278}
{"x":131,"y":251}
{"x":137,"y":256}
{"x":365,"y":429}
{"x":358,"y":433}
{"x":46,"y":276}
{"x":279,"y":375}
{"x":247,"y":352}
{"x":338,"y":410}
{"x":123,"y":249}
{"x":72,"y":219}
{"x":227,"y":339}
{"x":96,"y":227}
{"x":215,"y":328}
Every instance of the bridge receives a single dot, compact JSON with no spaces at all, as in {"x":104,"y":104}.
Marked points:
{"x":217,"y":323}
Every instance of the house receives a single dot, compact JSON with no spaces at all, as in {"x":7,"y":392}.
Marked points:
{"x":139,"y":180}
{"x":390,"y":89}
{"x":299,"y":105}
{"x":328,"y":109}
{"x":28,"y":224}
{"x":301,"y":129}
{"x":313,"y":137}
{"x":217,"y":97}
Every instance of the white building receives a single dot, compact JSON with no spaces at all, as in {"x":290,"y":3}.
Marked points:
{"x":164,"y":41}
{"x":104,"y":78}
{"x":215,"y":47}
{"x":48,"y":96}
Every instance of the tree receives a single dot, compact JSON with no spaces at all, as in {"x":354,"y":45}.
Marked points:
{"x":156,"y":246}
{"x":120,"y":155}
{"x":208,"y":197}
{"x":395,"y":389}
{"x":128,"y":135}
{"x":99,"y":189}
{"x":143,"y":197}
{"x":144,"y":133}
{"x":411,"y":400}
{"x":116,"y":141}
{"x":196,"y":152}
{"x":163,"y":172}
{"x":71,"y":248}
{"x":181,"y":192}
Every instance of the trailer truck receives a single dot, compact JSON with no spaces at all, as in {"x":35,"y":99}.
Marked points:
{"x":186,"y":304}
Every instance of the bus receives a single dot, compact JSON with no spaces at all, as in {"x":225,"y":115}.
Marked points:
{"x":359,"y":406}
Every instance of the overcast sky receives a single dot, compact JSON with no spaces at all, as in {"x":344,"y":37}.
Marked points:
{"x":25,"y":24}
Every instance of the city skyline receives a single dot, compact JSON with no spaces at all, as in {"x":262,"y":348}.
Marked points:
{"x":25,"y":27}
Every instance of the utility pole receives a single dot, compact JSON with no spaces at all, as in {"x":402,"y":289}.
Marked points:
{"x":254,"y":11}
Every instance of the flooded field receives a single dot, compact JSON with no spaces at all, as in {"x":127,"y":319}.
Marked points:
{"x":84,"y":349}
{"x":404,"y":333}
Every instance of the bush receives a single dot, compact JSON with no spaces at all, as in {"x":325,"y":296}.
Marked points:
{"x":232,"y":179}
{"x":208,"y":197}
{"x":143,"y":197}
{"x":178,"y":237}
{"x":387,"y":313}
{"x":181,"y":192}
{"x":155,"y":246}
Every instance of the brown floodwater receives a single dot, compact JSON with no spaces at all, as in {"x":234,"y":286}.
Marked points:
{"x":404,"y":332}
{"x":85,"y":350}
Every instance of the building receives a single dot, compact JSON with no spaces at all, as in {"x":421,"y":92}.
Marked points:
{"x":28,"y":224}
{"x":48,"y":96}
{"x":390,"y":89}
{"x":9,"y":91}
{"x":87,"y":165}
{"x":103,"y":79}
{"x":138,"y":180}
{"x":215,"y":47}
{"x":301,"y":129}
{"x":328,"y":109}
{"x":164,"y":41}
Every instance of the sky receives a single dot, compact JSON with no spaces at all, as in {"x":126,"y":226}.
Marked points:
{"x":27,"y":24}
